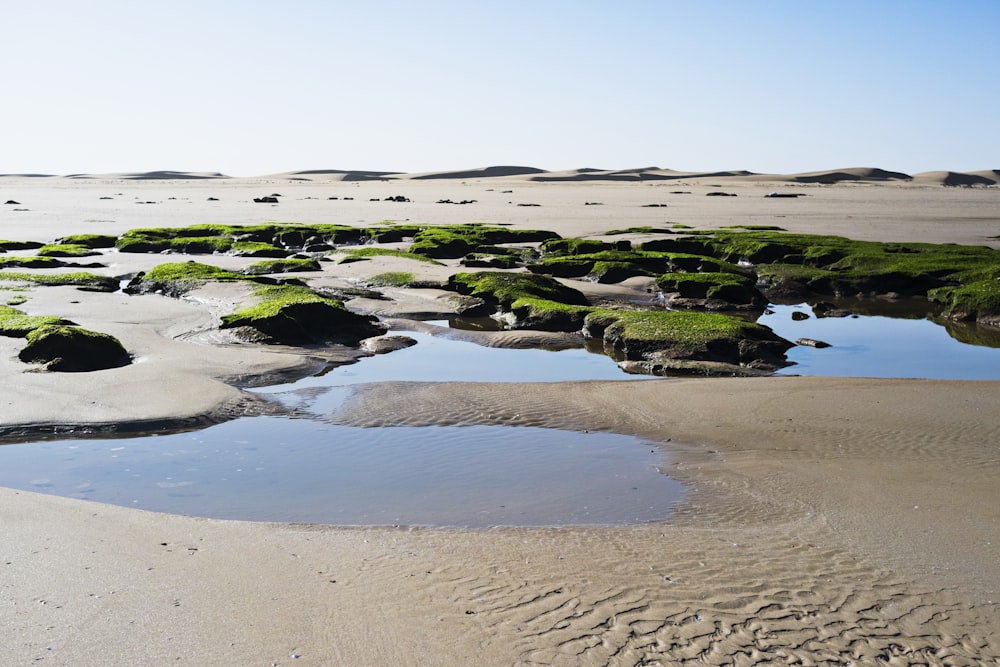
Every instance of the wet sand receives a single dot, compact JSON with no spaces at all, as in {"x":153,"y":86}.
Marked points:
{"x":827,"y":519}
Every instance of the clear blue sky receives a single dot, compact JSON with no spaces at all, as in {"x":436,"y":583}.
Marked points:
{"x":248,"y":87}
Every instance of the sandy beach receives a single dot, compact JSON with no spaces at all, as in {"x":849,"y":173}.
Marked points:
{"x":827,"y":520}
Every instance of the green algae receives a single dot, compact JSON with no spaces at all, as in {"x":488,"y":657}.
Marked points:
{"x":178,"y":278}
{"x":31,"y":262}
{"x":291,"y":265}
{"x":454,"y":241}
{"x":367,"y":252}
{"x":296,"y":315}
{"x":83,"y":281}
{"x":506,"y":288}
{"x":66,"y":250}
{"x":66,"y":348}
{"x":731,"y":287}
{"x":93,"y":241}
{"x":687,"y":335}
{"x":392,"y":279}
{"x":16,"y":324}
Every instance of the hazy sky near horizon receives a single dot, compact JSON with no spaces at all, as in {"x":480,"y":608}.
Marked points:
{"x":248,"y":87}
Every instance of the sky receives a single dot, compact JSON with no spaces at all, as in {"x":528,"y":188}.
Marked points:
{"x":248,"y":87}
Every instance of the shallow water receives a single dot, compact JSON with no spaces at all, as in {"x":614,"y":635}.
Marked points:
{"x":879,"y":346}
{"x":301,"y":470}
{"x":305,"y":469}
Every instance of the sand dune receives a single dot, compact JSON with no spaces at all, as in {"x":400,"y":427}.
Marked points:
{"x":957,"y":178}
{"x":485,"y":172}
{"x":984,"y":177}
{"x":164,"y":175}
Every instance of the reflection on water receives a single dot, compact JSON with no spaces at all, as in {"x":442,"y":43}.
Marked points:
{"x":906,"y":345}
{"x":300,"y":470}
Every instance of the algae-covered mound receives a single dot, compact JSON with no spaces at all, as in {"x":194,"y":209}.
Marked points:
{"x":72,"y":349}
{"x":505,"y":288}
{"x":662,"y":337}
{"x":88,"y":282}
{"x":295,"y":315}
{"x":282,"y":266}
{"x":178,"y":278}
{"x":728,"y":288}
{"x":16,"y":324}
{"x":454,"y":241}
{"x":977,"y":301}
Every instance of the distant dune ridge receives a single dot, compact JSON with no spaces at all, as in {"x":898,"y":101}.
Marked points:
{"x":986,"y":177}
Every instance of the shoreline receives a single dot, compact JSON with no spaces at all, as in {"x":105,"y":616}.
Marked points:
{"x":826,"y":518}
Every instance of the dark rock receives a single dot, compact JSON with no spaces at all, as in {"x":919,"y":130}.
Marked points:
{"x":720,"y":194}
{"x":12,"y":202}
{"x":824,"y":309}
{"x":812,"y":342}
{"x":798,"y":315}
{"x":304,"y":323}
{"x":265,"y":200}
{"x":384,"y":344}
{"x":72,"y":349}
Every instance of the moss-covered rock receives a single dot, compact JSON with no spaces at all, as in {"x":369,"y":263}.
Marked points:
{"x":576,"y":246}
{"x":72,"y":349}
{"x":661,"y":335}
{"x":295,"y":315}
{"x":66,"y":250}
{"x":89,"y":240}
{"x":731,"y":288}
{"x":455,"y":241}
{"x":177,"y":278}
{"x":83,"y":281}
{"x":506,"y":288}
{"x":392,"y":279}
{"x":546,"y":315}
{"x":256,"y":249}
{"x":367,"y":252}
{"x":291,"y":265}
{"x":31,"y":262}
{"x":976,"y":301}
{"x":16,"y":324}
{"x":19,"y":245}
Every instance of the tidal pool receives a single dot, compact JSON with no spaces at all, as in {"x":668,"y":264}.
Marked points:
{"x":302,"y":470}
{"x":885,"y":347}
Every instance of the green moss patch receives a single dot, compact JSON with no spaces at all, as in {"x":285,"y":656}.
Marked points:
{"x":979,"y":301}
{"x":89,"y":240}
{"x":295,"y":315}
{"x":256,"y":249}
{"x":506,"y":288}
{"x":178,"y":278}
{"x":282,"y":266}
{"x":546,"y":315}
{"x":454,"y":241}
{"x":367,"y":252}
{"x":66,"y":250}
{"x":72,"y":349}
{"x":31,"y":262}
{"x":16,"y":324}
{"x":84,"y":281}
{"x":392,"y":279}
{"x":651,"y":335}
{"x":729,"y":287}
